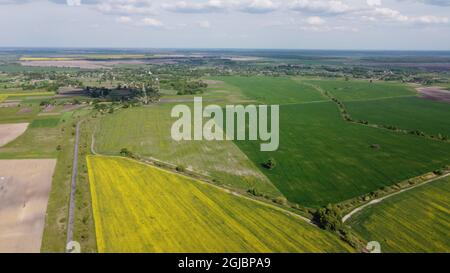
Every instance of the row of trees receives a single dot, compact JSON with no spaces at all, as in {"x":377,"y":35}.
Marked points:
{"x":186,"y":87}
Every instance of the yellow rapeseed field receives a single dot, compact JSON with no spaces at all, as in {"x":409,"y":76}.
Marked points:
{"x":415,"y":221}
{"x":139,"y":208}
{"x":3,"y":97}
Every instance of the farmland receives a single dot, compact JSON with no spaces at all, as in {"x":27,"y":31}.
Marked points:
{"x":20,"y":95}
{"x":406,"y":113}
{"x":24,"y":234}
{"x":322,"y":159}
{"x":24,"y":113}
{"x":47,"y":138}
{"x":414,"y":221}
{"x":9,"y":132}
{"x":272,"y":90}
{"x":146,"y":131}
{"x":138,"y":208}
{"x":347,"y":138}
{"x":357,"y":90}
{"x":45,"y":122}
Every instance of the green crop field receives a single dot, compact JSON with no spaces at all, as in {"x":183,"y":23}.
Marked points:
{"x":138,"y":208}
{"x":353,"y":127}
{"x":362,"y":90}
{"x":274,"y":90}
{"x":323,"y":159}
{"x":406,"y":113}
{"x":24,"y":113}
{"x":414,"y":221}
{"x":45,"y":122}
{"x":34,"y":143}
{"x":147,"y":132}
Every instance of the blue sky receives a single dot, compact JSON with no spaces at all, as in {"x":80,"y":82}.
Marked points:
{"x":295,"y":24}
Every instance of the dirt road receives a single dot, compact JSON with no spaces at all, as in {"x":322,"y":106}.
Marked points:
{"x":379,"y":200}
{"x":73,"y":186}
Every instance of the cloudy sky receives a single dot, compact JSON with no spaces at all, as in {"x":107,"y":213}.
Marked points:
{"x":295,"y":24}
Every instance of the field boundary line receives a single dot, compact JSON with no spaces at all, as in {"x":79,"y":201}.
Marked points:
{"x":200,"y":180}
{"x":379,"y":200}
{"x":93,"y":142}
{"x":192,"y":174}
{"x":383,"y":98}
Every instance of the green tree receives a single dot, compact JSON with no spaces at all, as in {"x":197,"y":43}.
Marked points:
{"x":270,"y":164}
{"x":329,"y":218}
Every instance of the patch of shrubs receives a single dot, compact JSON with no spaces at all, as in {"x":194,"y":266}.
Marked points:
{"x":280,"y":201}
{"x":180,"y":168}
{"x":254,"y":192}
{"x":330,"y":219}
{"x":270,"y":164}
{"x":126,"y":153}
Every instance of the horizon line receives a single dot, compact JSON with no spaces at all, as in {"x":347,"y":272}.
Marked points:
{"x":219,"y":48}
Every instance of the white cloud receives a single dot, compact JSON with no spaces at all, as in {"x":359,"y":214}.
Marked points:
{"x":128,"y":7}
{"x":442,"y":3}
{"x":389,"y":14}
{"x":429,"y":19}
{"x":374,"y":3}
{"x":214,"y":6}
{"x":124,"y":19}
{"x":327,"y":28}
{"x":74,"y":3}
{"x":321,"y":7}
{"x":151,"y":22}
{"x":392,"y":15}
{"x":315,"y":20}
{"x":195,"y":7}
{"x":204,"y":24}
{"x":259,"y":6}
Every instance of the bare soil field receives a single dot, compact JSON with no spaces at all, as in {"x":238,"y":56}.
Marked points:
{"x":9,"y":132}
{"x":434,"y":93}
{"x":9,"y":104}
{"x":48,"y":108}
{"x":24,"y":190}
{"x":25,"y":111}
